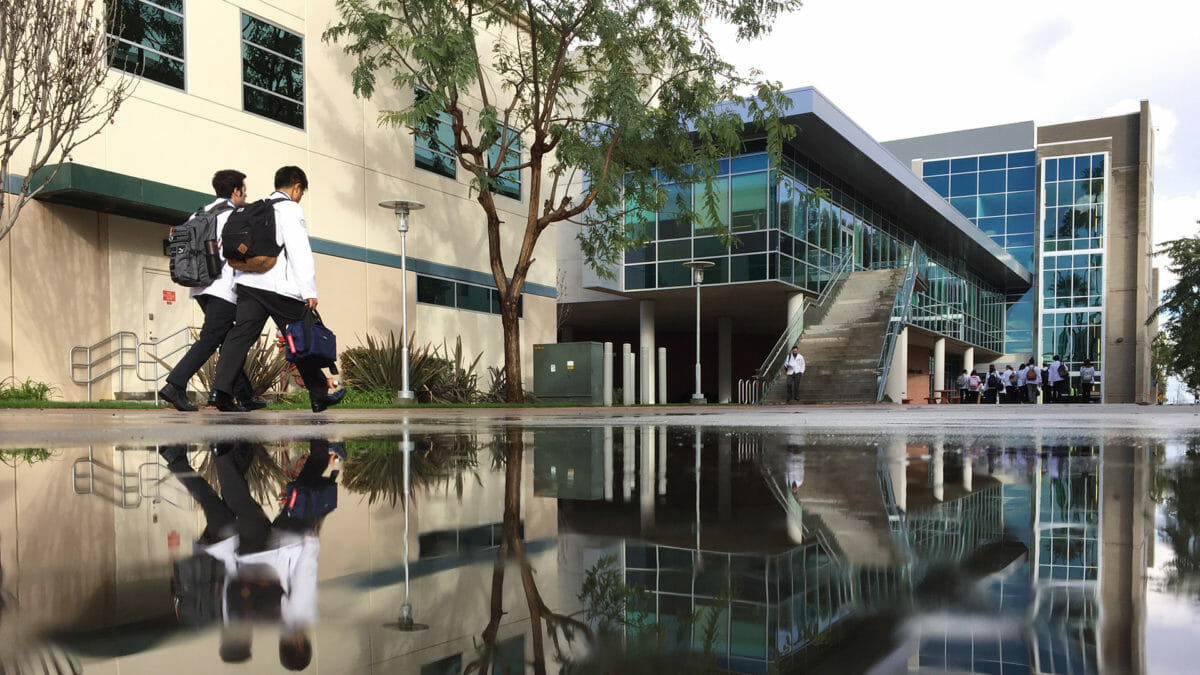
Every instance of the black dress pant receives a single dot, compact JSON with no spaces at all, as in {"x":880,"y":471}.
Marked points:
{"x":218,"y":320}
{"x":254,"y":307}
{"x":222,"y":514}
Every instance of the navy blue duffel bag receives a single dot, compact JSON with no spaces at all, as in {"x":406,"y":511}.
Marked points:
{"x":308,"y":341}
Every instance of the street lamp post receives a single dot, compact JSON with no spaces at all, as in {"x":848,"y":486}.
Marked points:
{"x":402,"y":207}
{"x":697,"y":267}
{"x":405,"y":622}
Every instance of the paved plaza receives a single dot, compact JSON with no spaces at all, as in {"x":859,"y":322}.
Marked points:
{"x":67,"y":428}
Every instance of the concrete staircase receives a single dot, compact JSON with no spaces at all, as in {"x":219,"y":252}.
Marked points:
{"x":841,"y":351}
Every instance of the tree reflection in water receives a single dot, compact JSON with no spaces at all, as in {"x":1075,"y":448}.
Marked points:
{"x":1180,"y":497}
{"x":376,"y":468}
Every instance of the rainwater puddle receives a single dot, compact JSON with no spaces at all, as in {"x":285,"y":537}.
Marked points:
{"x":615,"y":548}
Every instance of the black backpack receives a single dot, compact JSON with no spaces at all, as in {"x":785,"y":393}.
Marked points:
{"x":248,"y":240}
{"x":193,"y":249}
{"x":1062,"y":370}
{"x":198,"y":587}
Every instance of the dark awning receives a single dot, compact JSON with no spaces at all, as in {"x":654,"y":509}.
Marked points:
{"x":95,"y":189}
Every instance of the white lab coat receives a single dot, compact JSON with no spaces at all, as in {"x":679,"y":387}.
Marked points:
{"x":294,"y":274}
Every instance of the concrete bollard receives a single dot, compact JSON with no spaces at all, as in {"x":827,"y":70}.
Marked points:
{"x":661,"y":377}
{"x":608,"y":374}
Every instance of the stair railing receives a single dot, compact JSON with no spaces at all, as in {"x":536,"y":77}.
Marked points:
{"x":114,"y":353}
{"x":155,"y":354}
{"x":768,"y":373}
{"x":901,"y":313}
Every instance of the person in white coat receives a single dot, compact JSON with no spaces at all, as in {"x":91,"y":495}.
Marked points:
{"x":793,"y":367}
{"x":282,"y":294}
{"x":218,"y":301}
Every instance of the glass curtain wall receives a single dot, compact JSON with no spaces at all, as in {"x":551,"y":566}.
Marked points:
{"x":784,"y":231}
{"x":1072,"y":259}
{"x":997,"y":192}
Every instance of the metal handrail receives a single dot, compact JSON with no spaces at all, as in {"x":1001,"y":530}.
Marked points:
{"x":91,"y":361}
{"x":901,"y":313}
{"x":772,"y":365}
{"x":157,"y":359}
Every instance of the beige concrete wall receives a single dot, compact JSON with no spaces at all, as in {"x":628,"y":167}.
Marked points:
{"x":59,"y":293}
{"x":182,"y":137}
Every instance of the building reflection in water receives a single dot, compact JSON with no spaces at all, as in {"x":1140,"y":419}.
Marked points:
{"x":898,"y":554}
{"x":815,"y":552}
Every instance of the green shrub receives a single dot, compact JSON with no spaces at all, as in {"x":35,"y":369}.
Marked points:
{"x":436,"y":375}
{"x":29,"y":390}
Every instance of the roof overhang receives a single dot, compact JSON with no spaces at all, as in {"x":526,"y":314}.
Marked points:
{"x":95,"y":189}
{"x":836,"y":142}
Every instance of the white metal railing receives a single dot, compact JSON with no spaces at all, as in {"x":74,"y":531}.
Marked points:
{"x":120,"y":347}
{"x":151,"y":354}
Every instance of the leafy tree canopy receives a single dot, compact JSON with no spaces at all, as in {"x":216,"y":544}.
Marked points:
{"x":611,"y":100}
{"x":1181,"y":304}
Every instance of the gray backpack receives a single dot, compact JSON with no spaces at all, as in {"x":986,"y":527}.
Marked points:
{"x":193,"y":249}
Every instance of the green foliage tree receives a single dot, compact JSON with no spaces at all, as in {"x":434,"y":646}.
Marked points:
{"x":1181,"y":305}
{"x":601,"y":92}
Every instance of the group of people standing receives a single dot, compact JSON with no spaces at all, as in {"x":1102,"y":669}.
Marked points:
{"x":1023,"y":383}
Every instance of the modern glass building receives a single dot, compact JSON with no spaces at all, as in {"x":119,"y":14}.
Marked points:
{"x":837,"y":203}
{"x":1071,"y":203}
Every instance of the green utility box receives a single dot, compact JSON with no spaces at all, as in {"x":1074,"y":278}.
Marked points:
{"x":569,"y":463}
{"x":569,"y":372}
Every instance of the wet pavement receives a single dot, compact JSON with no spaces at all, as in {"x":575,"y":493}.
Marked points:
{"x":886,"y":539}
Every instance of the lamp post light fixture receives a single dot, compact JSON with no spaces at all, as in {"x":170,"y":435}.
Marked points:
{"x":697,"y":267}
{"x":405,"y":623}
{"x":402,"y":207}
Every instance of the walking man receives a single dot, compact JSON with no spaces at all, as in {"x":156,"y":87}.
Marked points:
{"x":281,"y":293}
{"x":218,"y":302}
{"x":794,"y":367}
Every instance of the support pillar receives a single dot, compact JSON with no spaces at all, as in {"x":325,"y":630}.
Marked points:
{"x":609,"y":469}
{"x":969,"y":360}
{"x":626,"y":374}
{"x":939,"y":364}
{"x":896,"y":387}
{"x":724,"y":359}
{"x":968,"y":471}
{"x":795,"y":308}
{"x":662,"y":375}
{"x":646,"y":478}
{"x":897,"y":468}
{"x":646,"y":323}
{"x":937,"y":465}
{"x":628,"y":462}
{"x":724,"y":479}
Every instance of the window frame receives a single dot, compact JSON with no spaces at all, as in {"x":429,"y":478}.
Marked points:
{"x":116,"y":39}
{"x":497,"y":184}
{"x":243,"y":43}
{"x":492,"y":295}
{"x":420,"y":139}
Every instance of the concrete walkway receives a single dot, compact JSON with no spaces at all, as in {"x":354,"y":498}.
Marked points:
{"x":73,"y":428}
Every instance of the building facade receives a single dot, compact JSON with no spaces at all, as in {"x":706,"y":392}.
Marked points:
{"x":248,"y":85}
{"x":838,"y":203}
{"x":1077,"y":211}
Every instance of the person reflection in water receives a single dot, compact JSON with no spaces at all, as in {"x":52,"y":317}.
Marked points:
{"x":270,"y":566}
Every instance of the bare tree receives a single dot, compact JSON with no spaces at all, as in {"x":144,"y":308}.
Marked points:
{"x":56,"y":92}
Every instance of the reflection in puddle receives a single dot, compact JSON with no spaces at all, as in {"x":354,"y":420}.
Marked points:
{"x":613,"y":548}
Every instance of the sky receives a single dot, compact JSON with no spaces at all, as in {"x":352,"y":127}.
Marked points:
{"x":902,"y":69}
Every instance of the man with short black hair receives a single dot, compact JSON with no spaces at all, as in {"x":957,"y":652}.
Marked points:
{"x":282,"y":293}
{"x":218,"y":301}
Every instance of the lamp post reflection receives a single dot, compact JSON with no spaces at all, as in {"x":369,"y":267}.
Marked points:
{"x":405,"y":623}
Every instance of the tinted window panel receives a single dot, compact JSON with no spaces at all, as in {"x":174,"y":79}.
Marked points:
{"x":941,"y":184}
{"x":992,"y":162}
{"x":935,"y":168}
{"x":435,"y":291}
{"x":472,"y":297}
{"x":1021,"y":179}
{"x":964,"y":164}
{"x":964,"y":184}
{"x":150,"y":42}
{"x":991,"y":181}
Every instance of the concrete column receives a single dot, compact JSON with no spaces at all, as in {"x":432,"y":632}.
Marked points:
{"x":968,"y":471}
{"x":795,"y":307}
{"x":608,"y":464}
{"x":969,"y":359}
{"x":608,"y":375}
{"x":646,"y":478}
{"x":662,"y":461}
{"x":724,"y":359}
{"x":661,"y":376}
{"x":646,"y":323}
{"x":897,"y":382}
{"x":937,"y":465}
{"x":896,"y":454}
{"x":939,"y":363}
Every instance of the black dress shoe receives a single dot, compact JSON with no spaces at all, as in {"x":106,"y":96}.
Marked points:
{"x":251,"y":404}
{"x":226,"y":403}
{"x":175,"y":455}
{"x":332,"y":398}
{"x":176,"y":397}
